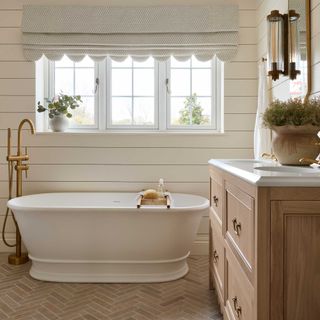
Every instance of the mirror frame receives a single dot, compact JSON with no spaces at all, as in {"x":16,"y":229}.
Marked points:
{"x":307,"y":4}
{"x":309,"y":48}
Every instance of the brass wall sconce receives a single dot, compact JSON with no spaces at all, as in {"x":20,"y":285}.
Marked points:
{"x":283,"y":44}
{"x":293,"y":42}
{"x":276,"y":46}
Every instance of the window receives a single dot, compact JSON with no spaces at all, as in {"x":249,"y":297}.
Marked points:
{"x":132,"y":95}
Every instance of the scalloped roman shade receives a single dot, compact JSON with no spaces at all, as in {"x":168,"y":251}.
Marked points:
{"x":100,"y":31}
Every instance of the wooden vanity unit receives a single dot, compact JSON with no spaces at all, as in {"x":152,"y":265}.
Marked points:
{"x":264,"y":242}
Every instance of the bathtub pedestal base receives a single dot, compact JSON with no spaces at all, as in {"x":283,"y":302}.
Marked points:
{"x":109,"y":271}
{"x":17,"y":260}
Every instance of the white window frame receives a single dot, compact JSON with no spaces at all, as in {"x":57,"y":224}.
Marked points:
{"x":161,"y":97}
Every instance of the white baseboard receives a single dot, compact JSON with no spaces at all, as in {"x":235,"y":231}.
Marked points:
{"x":200,"y":246}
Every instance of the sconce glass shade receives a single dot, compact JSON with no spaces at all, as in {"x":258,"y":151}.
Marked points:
{"x":294,"y":44}
{"x":275,"y":44}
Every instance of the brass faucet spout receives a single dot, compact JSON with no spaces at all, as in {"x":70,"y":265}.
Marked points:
{"x":32,"y":128}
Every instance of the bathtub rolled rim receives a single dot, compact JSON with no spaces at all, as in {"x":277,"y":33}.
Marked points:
{"x":14,"y":206}
{"x":114,"y":209}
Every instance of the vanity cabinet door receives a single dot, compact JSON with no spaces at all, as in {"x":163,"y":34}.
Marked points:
{"x":239,"y":226}
{"x":217,"y":256}
{"x":239,"y":293}
{"x":216,"y":192}
{"x":295,"y":260}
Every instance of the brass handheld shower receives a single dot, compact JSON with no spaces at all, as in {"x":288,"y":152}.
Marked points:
{"x":10,"y":181}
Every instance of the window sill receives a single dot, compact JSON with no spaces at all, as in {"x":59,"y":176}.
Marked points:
{"x":133,"y":132}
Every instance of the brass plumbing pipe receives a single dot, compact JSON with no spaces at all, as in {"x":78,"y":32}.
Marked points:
{"x":18,"y":257}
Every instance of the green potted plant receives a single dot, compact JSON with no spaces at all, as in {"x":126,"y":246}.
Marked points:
{"x":296,"y":124}
{"x":59,"y":110}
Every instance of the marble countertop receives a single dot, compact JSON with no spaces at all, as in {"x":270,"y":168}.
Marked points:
{"x":268,"y":173}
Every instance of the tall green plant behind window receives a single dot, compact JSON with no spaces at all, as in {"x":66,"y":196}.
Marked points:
{"x":192,"y":113}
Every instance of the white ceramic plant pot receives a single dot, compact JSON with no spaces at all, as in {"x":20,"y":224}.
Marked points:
{"x":291,"y":143}
{"x":59,"y":123}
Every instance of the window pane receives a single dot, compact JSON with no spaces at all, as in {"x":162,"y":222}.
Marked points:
{"x":201,"y":82}
{"x":84,"y":115}
{"x":64,"y":62}
{"x":84,"y":79}
{"x":143,"y":82}
{"x":200,"y":64}
{"x":149,"y":63}
{"x":121,"y":111}
{"x":180,"y":82}
{"x":64,"y":81}
{"x":191,"y":111}
{"x":86,"y":62}
{"x":143,"y":111}
{"x":179,"y":64}
{"x":176,"y":105}
{"x":127,"y":63}
{"x":121,"y":82}
{"x":206,"y":105}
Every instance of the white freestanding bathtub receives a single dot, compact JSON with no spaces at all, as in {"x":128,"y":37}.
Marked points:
{"x":103,"y":237}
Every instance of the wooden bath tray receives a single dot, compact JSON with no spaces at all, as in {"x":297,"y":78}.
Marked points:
{"x":165,"y":201}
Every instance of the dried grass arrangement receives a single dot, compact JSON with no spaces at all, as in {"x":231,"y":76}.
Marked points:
{"x":295,"y":112}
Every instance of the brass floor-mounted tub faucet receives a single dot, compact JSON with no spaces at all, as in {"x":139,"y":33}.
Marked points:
{"x":16,"y":162}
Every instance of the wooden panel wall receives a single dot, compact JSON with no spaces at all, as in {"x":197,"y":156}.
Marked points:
{"x":113,"y":162}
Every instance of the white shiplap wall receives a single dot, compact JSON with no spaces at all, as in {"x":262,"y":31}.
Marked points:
{"x":110,"y":162}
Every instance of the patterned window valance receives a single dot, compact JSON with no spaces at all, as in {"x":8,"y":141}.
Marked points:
{"x":161,"y":32}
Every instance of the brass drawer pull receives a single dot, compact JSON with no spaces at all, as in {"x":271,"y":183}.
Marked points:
{"x":215,"y":256}
{"x":215,"y":200}
{"x":236,"y":226}
{"x":237,"y":308}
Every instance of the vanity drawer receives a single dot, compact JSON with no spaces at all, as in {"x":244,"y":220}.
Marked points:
{"x":239,"y":291}
{"x":218,"y":258}
{"x":216,"y":194}
{"x":240,"y":224}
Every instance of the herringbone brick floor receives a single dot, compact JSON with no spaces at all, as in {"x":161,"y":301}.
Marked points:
{"x":22,"y":297}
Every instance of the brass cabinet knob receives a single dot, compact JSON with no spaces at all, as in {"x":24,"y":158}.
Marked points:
{"x":215,"y":256}
{"x":236,"y":307}
{"x":236,"y":226}
{"x":215,"y":200}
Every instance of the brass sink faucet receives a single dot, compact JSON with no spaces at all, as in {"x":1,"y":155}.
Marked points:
{"x":18,"y":257}
{"x":271,"y":156}
{"x":308,"y":161}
